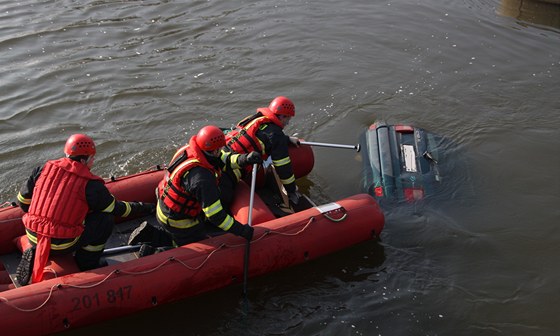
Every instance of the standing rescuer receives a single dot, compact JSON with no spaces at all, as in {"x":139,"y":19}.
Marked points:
{"x":263,"y":132}
{"x":200,"y":177}
{"x":69,"y":209}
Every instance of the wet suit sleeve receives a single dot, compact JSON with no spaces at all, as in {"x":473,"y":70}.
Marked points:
{"x":99,"y":199}
{"x":276,"y":144}
{"x":26,"y":192}
{"x":202,"y":184}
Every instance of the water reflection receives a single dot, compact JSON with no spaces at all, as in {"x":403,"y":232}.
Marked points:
{"x":546,"y":12}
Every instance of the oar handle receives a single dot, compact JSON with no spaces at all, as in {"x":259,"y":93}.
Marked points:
{"x":252,"y":195}
{"x":249,"y":222}
{"x":322,"y":144}
{"x":121,"y":249}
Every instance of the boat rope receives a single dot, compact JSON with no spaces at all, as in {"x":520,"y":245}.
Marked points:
{"x":204,"y":261}
{"x":267,"y":232}
{"x":6,"y":204}
{"x":6,"y":301}
{"x":311,"y":219}
{"x":168,"y":260}
{"x":48,"y":269}
{"x":335,"y":219}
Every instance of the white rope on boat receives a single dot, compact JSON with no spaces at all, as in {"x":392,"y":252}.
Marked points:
{"x":170,"y":259}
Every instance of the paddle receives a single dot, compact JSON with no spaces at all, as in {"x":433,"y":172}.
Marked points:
{"x":249,"y":222}
{"x":285,"y":206}
{"x":322,"y":144}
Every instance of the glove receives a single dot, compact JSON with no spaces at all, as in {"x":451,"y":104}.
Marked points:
{"x":147,"y":208}
{"x":254,"y":157}
{"x":294,"y":197}
{"x":249,"y":159}
{"x":241,"y":230}
{"x":294,"y":140}
{"x":247,"y":232}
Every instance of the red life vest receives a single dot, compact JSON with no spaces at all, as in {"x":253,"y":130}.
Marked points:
{"x":59,"y":206}
{"x":243,"y":139}
{"x":171,"y":191}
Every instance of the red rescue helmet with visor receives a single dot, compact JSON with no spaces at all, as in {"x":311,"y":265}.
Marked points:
{"x":78,"y":145}
{"x":210,"y":138}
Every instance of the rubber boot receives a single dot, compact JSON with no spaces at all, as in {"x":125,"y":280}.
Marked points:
{"x":146,"y":250}
{"x":25,"y":267}
{"x":147,"y":233}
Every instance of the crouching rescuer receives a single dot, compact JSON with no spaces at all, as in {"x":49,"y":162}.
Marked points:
{"x":198,"y":189}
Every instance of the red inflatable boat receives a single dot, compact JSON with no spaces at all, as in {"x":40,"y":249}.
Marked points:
{"x":70,"y":299}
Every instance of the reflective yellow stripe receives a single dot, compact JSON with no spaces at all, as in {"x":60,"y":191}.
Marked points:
{"x":237,"y":173}
{"x":231,"y":157}
{"x":288,"y":180}
{"x":94,"y":248}
{"x":23,"y":200}
{"x":262,"y":146}
{"x":224,"y":155}
{"x":111,"y":207}
{"x":227,"y":223}
{"x":56,"y":247}
{"x":249,"y":125}
{"x":128,"y":209}
{"x":213,"y":209}
{"x":216,"y":208}
{"x":281,"y":162}
{"x":176,"y":223}
{"x":31,"y":237}
{"x":65,"y":245}
{"x":234,"y":158}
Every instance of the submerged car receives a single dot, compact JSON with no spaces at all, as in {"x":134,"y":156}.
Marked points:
{"x":400,"y":163}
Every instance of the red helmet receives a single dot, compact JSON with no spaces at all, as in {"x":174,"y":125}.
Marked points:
{"x":79,"y":144}
{"x":210,"y":138}
{"x":282,"y":106}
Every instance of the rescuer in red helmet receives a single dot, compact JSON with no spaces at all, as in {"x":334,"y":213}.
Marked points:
{"x":263,"y":132}
{"x":198,"y":180}
{"x":67,"y":209}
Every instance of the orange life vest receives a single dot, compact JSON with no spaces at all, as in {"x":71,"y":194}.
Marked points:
{"x":243,"y":139}
{"x":171,"y":191}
